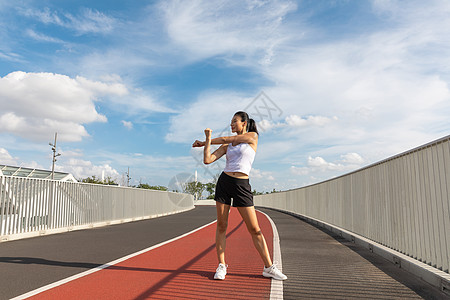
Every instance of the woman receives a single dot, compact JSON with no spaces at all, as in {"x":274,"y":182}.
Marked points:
{"x":233,"y":183}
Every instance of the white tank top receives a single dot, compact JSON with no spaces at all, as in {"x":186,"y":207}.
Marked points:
{"x":240,"y":158}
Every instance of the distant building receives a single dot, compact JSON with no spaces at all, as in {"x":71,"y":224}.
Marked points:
{"x":35,"y":173}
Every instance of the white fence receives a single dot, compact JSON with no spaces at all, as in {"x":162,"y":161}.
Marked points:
{"x":401,"y":202}
{"x":36,"y":206}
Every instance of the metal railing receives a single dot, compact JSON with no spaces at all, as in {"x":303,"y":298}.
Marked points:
{"x":30,"y":205}
{"x":402,"y":202}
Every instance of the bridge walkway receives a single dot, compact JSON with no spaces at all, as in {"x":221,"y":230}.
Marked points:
{"x":319,"y":265}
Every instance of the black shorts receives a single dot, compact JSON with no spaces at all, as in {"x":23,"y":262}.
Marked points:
{"x":228,"y":187}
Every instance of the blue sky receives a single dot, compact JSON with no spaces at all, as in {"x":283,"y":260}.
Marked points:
{"x":134,"y":83}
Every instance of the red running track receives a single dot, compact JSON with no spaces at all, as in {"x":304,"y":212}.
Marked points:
{"x":182,"y":269}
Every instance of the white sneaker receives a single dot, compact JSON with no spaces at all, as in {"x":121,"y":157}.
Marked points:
{"x":274,"y":273}
{"x":221,"y":272}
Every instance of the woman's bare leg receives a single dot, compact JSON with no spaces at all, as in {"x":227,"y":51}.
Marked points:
{"x":223,"y":210}
{"x":249,"y":216}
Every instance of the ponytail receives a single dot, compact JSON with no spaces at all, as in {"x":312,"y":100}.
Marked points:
{"x":251,"y":124}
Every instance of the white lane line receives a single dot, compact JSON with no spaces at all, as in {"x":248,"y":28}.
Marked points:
{"x":276,"y":287}
{"x":85,"y":273}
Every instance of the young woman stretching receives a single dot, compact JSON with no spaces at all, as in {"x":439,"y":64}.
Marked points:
{"x":233,"y":183}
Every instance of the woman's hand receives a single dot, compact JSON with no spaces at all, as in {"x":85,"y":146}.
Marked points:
{"x":198,"y":143}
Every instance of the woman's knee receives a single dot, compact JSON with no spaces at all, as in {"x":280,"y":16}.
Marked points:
{"x":222,"y":226}
{"x":256,"y":231}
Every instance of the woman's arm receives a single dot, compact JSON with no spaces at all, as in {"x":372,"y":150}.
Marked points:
{"x":207,"y":156}
{"x":249,"y":138}
{"x":215,"y":155}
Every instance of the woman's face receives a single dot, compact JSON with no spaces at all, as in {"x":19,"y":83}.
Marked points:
{"x":237,"y":125}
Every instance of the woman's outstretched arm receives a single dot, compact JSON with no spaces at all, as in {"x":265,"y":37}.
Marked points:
{"x":249,"y":137}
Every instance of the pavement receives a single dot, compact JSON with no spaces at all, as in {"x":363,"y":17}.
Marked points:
{"x":323,"y":265}
{"x":319,"y":265}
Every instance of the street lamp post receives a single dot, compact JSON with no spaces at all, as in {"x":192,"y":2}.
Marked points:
{"x":128,"y":177}
{"x":54,"y":155}
{"x":52,"y":185}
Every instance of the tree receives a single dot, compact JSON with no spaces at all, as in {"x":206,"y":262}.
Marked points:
{"x":256,"y":193}
{"x":210,"y":188}
{"x":151,"y":187}
{"x":108,"y":180}
{"x":195,"y":188}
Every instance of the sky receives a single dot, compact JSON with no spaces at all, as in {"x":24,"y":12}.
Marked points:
{"x":333,"y":85}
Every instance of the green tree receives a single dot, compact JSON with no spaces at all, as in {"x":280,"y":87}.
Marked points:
{"x":108,"y":180}
{"x":210,"y":188}
{"x":256,"y":193}
{"x":195,"y":188}
{"x":151,"y":187}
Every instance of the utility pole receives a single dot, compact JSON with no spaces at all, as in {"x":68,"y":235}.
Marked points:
{"x":52,"y":185}
{"x":196,"y":196}
{"x":54,"y":155}
{"x":128,"y":177}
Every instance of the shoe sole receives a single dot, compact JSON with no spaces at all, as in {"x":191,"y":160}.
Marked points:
{"x":270,"y":276}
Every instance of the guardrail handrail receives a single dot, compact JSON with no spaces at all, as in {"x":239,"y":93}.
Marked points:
{"x":402,"y":202}
{"x":32,"y":206}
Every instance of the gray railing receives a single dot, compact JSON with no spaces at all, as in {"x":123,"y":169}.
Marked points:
{"x":401,"y":202}
{"x":36,"y":206}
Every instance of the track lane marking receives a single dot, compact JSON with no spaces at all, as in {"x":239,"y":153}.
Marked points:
{"x":104,"y":266}
{"x":276,"y":287}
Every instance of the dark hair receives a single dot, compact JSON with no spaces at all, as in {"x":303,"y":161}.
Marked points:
{"x":251,"y":124}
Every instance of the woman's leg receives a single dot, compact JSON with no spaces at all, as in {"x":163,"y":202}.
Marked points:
{"x":223,"y":210}
{"x":249,"y":216}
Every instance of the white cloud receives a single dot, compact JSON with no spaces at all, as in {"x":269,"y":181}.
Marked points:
{"x":213,"y":109}
{"x":352,"y":158}
{"x":295,"y":121}
{"x":209,"y":28}
{"x":91,"y":21}
{"x":152,"y":169}
{"x":125,"y":98}
{"x":45,"y":16}
{"x":387,"y":90}
{"x":266,"y":125}
{"x":36,"y":128}
{"x":139,"y":102}
{"x":317,"y":165}
{"x":127,"y":124}
{"x":7,"y":159}
{"x":87,"y":21}
{"x":299,"y":170}
{"x":71,"y":153}
{"x":259,"y":174}
{"x":10,"y":56}
{"x":35,"y":105}
{"x":80,"y":168}
{"x":42,"y":37}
